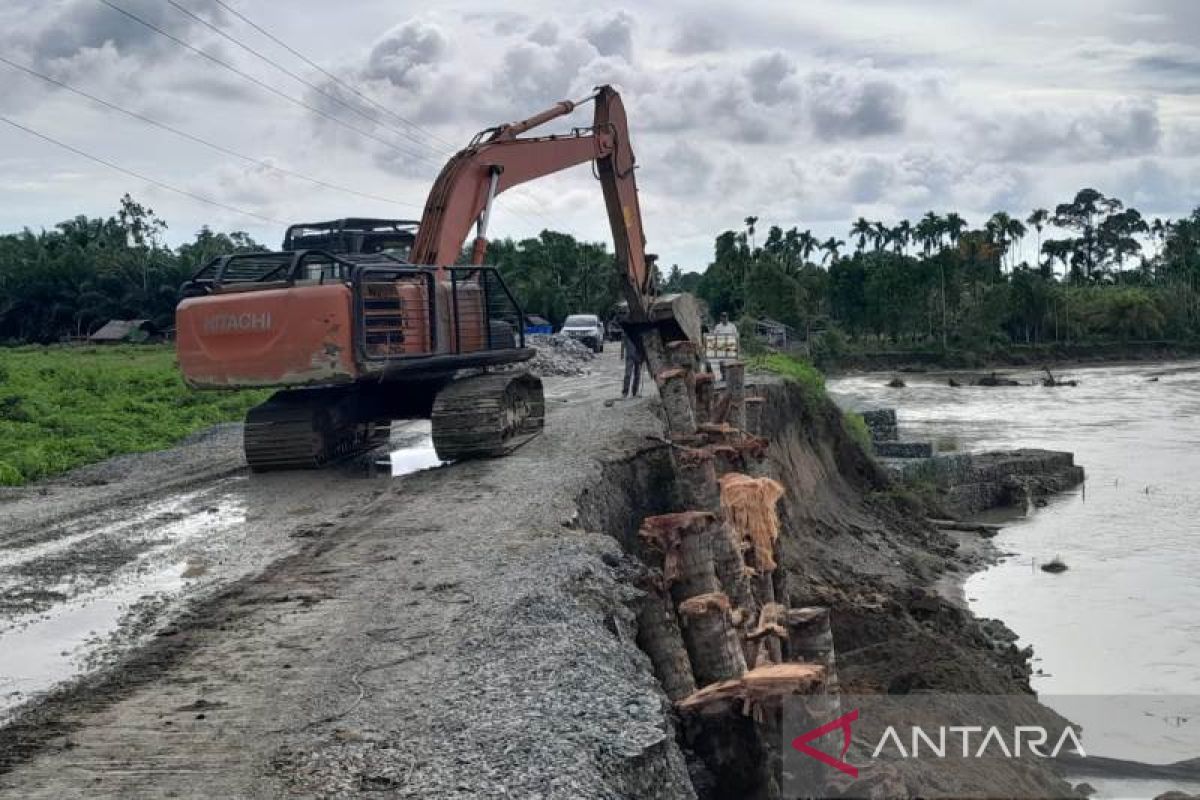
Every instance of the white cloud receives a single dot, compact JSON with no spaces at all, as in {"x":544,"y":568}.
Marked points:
{"x":804,"y":115}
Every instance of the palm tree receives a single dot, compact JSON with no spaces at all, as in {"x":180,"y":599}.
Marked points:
{"x":880,"y":234}
{"x":901,"y":235}
{"x":831,"y":247}
{"x":750,"y":223}
{"x":807,"y":243}
{"x":1038,"y":220}
{"x":863,"y":230}
{"x":954,"y":226}
{"x":928,"y":232}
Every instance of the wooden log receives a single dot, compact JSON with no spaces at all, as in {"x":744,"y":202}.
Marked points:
{"x":750,"y":506}
{"x":768,"y":635}
{"x":987,"y":529}
{"x":727,"y":459}
{"x":696,"y":479}
{"x":685,"y":539}
{"x":810,"y":640}
{"x":660,"y":638}
{"x":676,"y":400}
{"x":766,"y":684}
{"x":705,"y":389}
{"x":712,"y":644}
{"x":682,"y":354}
{"x":763,"y":584}
{"x":734,"y":373}
{"x":754,"y":414}
{"x":735,"y":577}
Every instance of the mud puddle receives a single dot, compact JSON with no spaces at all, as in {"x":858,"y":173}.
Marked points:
{"x":413,"y":451}
{"x":73,"y":597}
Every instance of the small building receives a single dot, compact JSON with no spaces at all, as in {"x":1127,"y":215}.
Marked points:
{"x":536,"y":324}
{"x":117,"y":331}
{"x":772,"y":332}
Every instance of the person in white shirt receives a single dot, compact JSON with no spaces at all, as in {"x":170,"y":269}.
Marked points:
{"x":725,"y":328}
{"x":725,"y":334}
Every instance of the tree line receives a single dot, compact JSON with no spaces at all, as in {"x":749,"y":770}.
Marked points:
{"x":68,"y":281}
{"x":1101,"y":271}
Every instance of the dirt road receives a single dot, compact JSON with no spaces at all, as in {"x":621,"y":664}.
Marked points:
{"x":329,"y":632}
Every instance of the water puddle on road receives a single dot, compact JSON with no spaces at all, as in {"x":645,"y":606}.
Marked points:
{"x":416,"y":454}
{"x":43,"y":650}
{"x":75,"y":600}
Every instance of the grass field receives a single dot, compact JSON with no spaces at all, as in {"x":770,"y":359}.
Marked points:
{"x":62,"y":407}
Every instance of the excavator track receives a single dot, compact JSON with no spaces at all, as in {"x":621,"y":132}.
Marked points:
{"x":307,"y":429}
{"x":487,"y":415}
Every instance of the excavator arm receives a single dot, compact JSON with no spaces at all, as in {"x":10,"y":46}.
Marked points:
{"x":500,"y":159}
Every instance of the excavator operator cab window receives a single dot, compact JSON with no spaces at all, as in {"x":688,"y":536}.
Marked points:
{"x":320,"y":268}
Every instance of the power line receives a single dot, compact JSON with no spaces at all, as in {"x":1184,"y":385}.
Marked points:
{"x":192,"y":195}
{"x":264,"y":84}
{"x":365,"y":98}
{"x":314,"y":87}
{"x":446,"y":149}
{"x":199,"y":140}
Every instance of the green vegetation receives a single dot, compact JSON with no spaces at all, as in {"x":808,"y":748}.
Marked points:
{"x":61,"y":407}
{"x":856,"y":426}
{"x":792,"y":369}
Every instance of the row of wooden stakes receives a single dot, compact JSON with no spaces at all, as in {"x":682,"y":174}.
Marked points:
{"x":718,"y":637}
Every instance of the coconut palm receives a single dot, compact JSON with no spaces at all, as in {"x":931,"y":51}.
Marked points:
{"x":831,"y":246}
{"x":1038,"y":220}
{"x":750,"y":223}
{"x":807,"y":243}
{"x":928,"y":232}
{"x":863,"y":230}
{"x":901,"y":235}
{"x":954,"y":225}
{"x":880,"y":234}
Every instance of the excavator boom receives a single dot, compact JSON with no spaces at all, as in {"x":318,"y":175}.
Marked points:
{"x":499,"y":159}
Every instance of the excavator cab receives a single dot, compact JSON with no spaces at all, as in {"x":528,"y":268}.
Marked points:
{"x":354,"y":235}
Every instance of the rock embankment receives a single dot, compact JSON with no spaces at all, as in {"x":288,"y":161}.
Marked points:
{"x":969,"y":483}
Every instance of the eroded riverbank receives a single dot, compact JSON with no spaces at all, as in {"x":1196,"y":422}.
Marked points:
{"x":1118,"y":623}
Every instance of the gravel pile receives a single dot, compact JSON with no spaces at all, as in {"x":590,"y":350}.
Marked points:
{"x":558,"y":355}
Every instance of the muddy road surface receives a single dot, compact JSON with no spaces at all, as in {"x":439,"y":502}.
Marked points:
{"x":171,"y":625}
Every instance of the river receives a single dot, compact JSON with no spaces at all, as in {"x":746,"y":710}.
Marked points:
{"x":1122,"y":624}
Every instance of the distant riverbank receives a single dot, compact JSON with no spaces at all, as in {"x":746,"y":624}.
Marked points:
{"x":1059,"y":354}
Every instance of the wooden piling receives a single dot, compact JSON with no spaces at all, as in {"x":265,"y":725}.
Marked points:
{"x":676,"y":400}
{"x":734,"y":373}
{"x":696,"y":479}
{"x":712,"y":644}
{"x":685,"y":539}
{"x":705,"y":389}
{"x":660,"y":638}
{"x":810,"y":640}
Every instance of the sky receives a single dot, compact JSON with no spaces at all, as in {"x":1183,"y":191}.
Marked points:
{"x":804,"y":114}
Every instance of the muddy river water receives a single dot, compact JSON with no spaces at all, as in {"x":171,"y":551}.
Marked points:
{"x":1117,"y":636}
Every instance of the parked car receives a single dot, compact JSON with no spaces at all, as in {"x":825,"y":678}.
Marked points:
{"x":587,"y":328}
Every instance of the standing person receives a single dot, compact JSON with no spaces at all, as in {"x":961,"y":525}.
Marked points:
{"x":633,"y":364}
{"x":725,"y":336}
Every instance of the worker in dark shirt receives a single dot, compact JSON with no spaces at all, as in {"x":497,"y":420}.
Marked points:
{"x":634,"y":357}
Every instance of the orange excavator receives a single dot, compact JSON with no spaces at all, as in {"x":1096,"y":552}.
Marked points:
{"x":361,"y":322}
